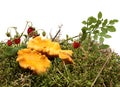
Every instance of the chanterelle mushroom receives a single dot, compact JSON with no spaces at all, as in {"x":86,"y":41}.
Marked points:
{"x":50,"y":48}
{"x":35,"y":55}
{"x":33,"y":60}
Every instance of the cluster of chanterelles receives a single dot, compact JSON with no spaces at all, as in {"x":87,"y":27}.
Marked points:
{"x":35,"y":56}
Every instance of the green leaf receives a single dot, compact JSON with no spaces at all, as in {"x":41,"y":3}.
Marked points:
{"x":95,"y":36}
{"x":113,"y":21}
{"x":98,"y":23}
{"x":84,"y":29}
{"x":104,"y":22}
{"x":10,"y":51}
{"x":95,"y":31}
{"x":91,"y":27}
{"x":107,"y":36}
{"x":84,"y":35}
{"x":104,"y":46}
{"x":84,"y":22}
{"x":91,"y":20}
{"x":99,"y":15}
{"x":101,"y":39}
{"x":104,"y":30}
{"x":111,"y":28}
{"x":102,"y":34}
{"x":67,"y":36}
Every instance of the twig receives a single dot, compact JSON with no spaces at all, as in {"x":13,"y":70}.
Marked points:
{"x":57,"y":32}
{"x":111,"y":83}
{"x":101,"y":70}
{"x":85,"y":53}
{"x":104,"y":84}
{"x":24,"y":29}
{"x":72,"y":37}
{"x":56,"y":35}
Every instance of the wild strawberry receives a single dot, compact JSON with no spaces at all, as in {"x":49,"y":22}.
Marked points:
{"x":30,"y":29}
{"x":34,"y":34}
{"x":17,"y":40}
{"x":8,"y":34}
{"x":9,"y":42}
{"x":76,"y":44}
{"x":43,"y":33}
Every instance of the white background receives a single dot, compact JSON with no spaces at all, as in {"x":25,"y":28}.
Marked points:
{"x":48,"y":14}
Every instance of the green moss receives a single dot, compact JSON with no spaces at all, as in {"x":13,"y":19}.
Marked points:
{"x":95,"y":64}
{"x":81,"y":74}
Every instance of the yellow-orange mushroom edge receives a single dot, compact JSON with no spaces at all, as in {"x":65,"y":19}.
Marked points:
{"x":33,"y":60}
{"x":34,"y":57}
{"x":50,"y":48}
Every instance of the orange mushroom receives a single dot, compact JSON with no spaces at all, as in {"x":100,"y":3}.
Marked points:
{"x":33,"y":60}
{"x":50,"y":48}
{"x":44,"y":46}
{"x":34,"y":57}
{"x":65,"y":55}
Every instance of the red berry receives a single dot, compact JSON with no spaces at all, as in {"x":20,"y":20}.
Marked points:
{"x":17,"y":40}
{"x":30,"y":29}
{"x":76,"y":44}
{"x":9,"y":42}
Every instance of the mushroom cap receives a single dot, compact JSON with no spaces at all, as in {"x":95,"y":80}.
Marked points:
{"x":35,"y":56}
{"x":33,"y":60}
{"x":50,"y":48}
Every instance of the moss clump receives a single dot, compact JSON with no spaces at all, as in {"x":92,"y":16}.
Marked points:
{"x":88,"y":64}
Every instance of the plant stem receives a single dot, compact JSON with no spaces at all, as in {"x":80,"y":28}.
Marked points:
{"x":109,"y":56}
{"x":72,"y":37}
{"x":62,"y":75}
{"x":56,"y":35}
{"x":57,"y":32}
{"x":85,"y":53}
{"x":24,"y":29}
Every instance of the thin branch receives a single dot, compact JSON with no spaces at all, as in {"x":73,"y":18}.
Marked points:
{"x":85,"y":53}
{"x":56,"y":35}
{"x":72,"y":37}
{"x":101,"y":70}
{"x":57,"y":32}
{"x":24,"y":29}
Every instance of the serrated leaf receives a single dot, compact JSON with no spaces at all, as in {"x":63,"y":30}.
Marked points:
{"x":101,"y":39}
{"x":99,"y":15}
{"x":10,"y":51}
{"x":84,"y":22}
{"x":107,"y":36}
{"x":111,"y":28}
{"x":104,"y":46}
{"x":104,"y":22}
